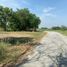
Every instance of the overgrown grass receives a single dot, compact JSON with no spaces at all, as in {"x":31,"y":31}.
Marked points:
{"x":3,"y":51}
{"x":9,"y":52}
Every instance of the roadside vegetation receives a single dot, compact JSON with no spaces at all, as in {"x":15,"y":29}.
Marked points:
{"x":61,"y":29}
{"x":64,"y":32}
{"x":18,"y":33}
{"x":10,"y":51}
{"x":10,"y":54}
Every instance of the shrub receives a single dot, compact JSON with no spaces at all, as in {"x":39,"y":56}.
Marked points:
{"x":3,"y":50}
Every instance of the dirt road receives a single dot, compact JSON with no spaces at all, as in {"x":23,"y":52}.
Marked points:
{"x":52,"y":52}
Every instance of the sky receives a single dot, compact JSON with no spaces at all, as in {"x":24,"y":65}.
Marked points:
{"x":51,"y":12}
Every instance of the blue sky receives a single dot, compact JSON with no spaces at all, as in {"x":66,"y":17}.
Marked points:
{"x":51,"y":12}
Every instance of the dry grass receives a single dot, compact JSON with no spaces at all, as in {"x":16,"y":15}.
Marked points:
{"x":35,"y":35}
{"x":14,"y":52}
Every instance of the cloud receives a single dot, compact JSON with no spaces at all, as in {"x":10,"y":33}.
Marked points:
{"x":47,"y":14}
{"x":48,"y":11}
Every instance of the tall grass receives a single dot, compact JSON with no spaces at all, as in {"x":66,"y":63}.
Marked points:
{"x":3,"y":51}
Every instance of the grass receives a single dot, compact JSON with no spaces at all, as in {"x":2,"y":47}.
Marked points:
{"x":3,"y":50}
{"x":28,"y":34}
{"x":35,"y":35}
{"x":64,"y":32}
{"x":10,"y":52}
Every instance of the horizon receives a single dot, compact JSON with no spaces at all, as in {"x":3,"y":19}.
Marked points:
{"x":51,"y":13}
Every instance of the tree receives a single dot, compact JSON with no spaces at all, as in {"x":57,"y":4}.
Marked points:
{"x":5,"y":14}
{"x":56,"y":28}
{"x":24,"y":20}
{"x":18,"y":20}
{"x":1,"y":16}
{"x":63,"y":27}
{"x":35,"y":21}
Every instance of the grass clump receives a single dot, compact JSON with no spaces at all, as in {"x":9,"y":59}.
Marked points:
{"x":3,"y":51}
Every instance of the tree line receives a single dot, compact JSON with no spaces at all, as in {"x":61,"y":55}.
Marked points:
{"x":62,"y":27}
{"x":19,"y":20}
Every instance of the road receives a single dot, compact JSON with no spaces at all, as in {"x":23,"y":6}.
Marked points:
{"x":51,"y":50}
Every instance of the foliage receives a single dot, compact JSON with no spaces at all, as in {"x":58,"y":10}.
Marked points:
{"x":56,"y":28}
{"x":59,"y":28}
{"x":18,"y":20}
{"x":3,"y":50}
{"x":43,"y":29}
{"x":63,"y":27}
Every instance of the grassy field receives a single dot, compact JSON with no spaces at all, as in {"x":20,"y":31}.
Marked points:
{"x":10,"y":52}
{"x":21,"y":34}
{"x":64,"y":32}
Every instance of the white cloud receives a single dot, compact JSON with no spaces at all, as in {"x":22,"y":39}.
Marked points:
{"x":46,"y":14}
{"x":48,"y":11}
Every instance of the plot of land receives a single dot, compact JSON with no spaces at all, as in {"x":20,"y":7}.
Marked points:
{"x":13,"y":52}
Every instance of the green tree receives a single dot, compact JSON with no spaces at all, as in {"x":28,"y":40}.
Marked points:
{"x":24,"y":20}
{"x":63,"y":27}
{"x":1,"y":16}
{"x":18,"y":20}
{"x":5,"y":14}
{"x":34,"y":22}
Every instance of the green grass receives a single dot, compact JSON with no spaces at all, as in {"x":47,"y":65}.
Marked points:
{"x":64,"y":32}
{"x":10,"y":53}
{"x":3,"y":51}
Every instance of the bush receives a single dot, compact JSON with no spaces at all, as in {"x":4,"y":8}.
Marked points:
{"x":3,"y":50}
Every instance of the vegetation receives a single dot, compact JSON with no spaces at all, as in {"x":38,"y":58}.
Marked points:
{"x":59,"y":28}
{"x":54,"y":28}
{"x":64,"y":32}
{"x":13,"y":44}
{"x":3,"y":50}
{"x":19,"y":20}
{"x":10,"y":52}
